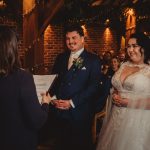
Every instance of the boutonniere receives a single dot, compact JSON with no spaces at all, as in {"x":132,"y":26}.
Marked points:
{"x":78,"y":62}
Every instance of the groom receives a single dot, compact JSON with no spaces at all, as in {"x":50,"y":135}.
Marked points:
{"x":75,"y":90}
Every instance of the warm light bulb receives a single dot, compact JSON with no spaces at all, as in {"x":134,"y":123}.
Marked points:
{"x":130,"y":12}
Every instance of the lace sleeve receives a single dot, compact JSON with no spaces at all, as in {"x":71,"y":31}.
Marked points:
{"x":146,"y":71}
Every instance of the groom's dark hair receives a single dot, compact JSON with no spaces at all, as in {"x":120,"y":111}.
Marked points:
{"x":74,"y":27}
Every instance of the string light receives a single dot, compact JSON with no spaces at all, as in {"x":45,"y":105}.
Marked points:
{"x":32,"y":44}
{"x":107,"y":22}
{"x":26,"y":13}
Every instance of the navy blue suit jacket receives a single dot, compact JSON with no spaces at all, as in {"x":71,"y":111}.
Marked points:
{"x":79,"y":84}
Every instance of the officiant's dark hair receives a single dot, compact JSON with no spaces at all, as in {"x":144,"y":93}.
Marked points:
{"x":143,"y":41}
{"x":74,"y":27}
{"x":9,"y":60}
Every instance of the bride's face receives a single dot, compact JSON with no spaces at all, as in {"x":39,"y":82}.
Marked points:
{"x":135,"y":52}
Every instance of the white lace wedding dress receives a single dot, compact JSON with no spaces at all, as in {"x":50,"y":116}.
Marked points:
{"x":128,"y":128}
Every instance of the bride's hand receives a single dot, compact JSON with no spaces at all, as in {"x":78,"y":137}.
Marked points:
{"x":117,"y":100}
{"x":115,"y":91}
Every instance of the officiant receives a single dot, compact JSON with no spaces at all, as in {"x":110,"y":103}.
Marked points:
{"x":75,"y":90}
{"x":20,"y":111}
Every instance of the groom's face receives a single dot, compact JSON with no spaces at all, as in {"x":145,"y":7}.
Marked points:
{"x":74,"y":41}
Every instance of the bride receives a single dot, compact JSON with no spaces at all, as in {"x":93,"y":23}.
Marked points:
{"x":128,"y":124}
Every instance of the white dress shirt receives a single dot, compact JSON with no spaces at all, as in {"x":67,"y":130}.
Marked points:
{"x":74,"y":55}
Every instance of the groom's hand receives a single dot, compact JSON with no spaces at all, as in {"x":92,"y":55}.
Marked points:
{"x":62,"y":104}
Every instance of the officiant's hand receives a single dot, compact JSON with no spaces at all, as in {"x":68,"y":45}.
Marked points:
{"x":62,"y":104}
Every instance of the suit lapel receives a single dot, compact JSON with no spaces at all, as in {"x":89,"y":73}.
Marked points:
{"x":66,"y":72}
{"x":70,"y":73}
{"x":82,"y":56}
{"x":66,"y":59}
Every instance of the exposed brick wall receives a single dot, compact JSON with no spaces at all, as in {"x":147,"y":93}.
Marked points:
{"x":53,"y":43}
{"x":98,"y":39}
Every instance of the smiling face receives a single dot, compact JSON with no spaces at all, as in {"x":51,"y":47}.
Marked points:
{"x":135,"y":52}
{"x":74,"y":41}
{"x":115,"y":64}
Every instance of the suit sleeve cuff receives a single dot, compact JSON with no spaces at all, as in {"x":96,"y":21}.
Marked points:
{"x":72,"y":104}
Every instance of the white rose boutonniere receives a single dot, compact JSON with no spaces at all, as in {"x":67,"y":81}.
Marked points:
{"x":78,"y":62}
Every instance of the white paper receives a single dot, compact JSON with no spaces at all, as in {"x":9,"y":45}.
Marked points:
{"x":42,"y":83}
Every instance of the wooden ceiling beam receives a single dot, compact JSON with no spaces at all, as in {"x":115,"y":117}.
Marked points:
{"x":50,"y":10}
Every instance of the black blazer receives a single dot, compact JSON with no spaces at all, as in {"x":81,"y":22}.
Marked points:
{"x":20,"y":112}
{"x":78,"y":84}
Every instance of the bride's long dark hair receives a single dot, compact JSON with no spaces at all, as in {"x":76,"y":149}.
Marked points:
{"x":144,"y":42}
{"x":9,"y":60}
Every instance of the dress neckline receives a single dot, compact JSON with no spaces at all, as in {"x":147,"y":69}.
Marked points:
{"x":130,"y":64}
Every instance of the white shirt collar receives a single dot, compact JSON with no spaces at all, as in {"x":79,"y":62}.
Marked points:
{"x":78,"y":52}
